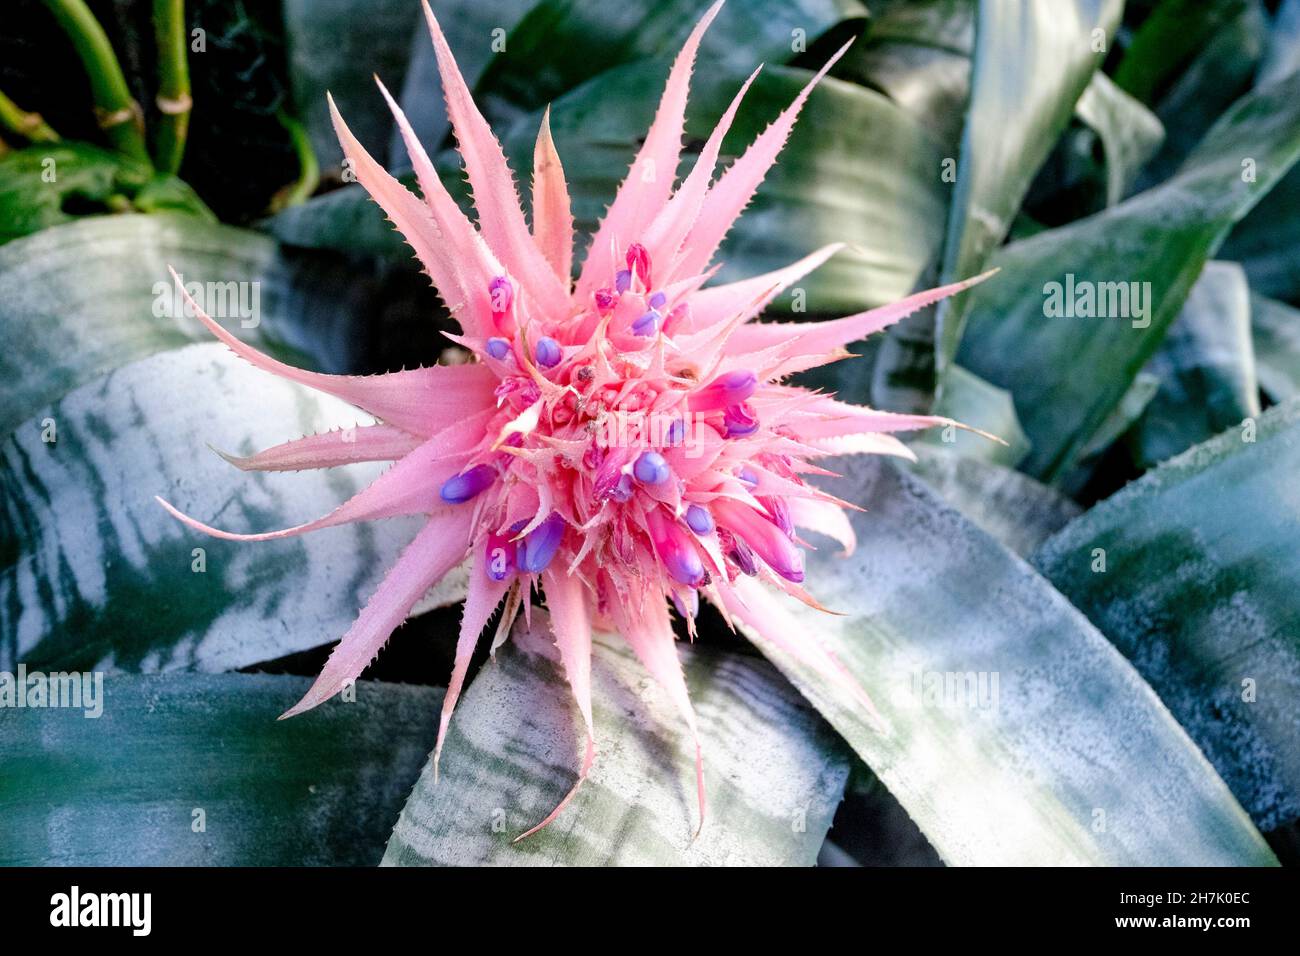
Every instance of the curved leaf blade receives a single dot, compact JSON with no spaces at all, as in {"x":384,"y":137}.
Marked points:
{"x":1162,"y":237}
{"x":1031,"y":64}
{"x":1275,"y":333}
{"x":1130,"y":133}
{"x":1032,"y":758}
{"x":88,"y":556}
{"x":195,"y":770}
{"x":918,"y":53}
{"x":775,"y":771}
{"x":1199,"y":592}
{"x":986,"y":407}
{"x":1014,"y":509}
{"x":1206,"y":368}
{"x":80,"y":300}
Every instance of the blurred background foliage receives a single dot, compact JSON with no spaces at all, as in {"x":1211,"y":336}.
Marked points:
{"x":1153,"y":141}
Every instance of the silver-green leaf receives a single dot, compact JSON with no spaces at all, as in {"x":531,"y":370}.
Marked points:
{"x":775,"y":772}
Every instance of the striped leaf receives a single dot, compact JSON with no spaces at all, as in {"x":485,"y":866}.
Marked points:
{"x":1014,"y":732}
{"x":195,"y":770}
{"x":79,"y":300}
{"x":95,"y":573}
{"x":775,"y":772}
{"x":1199,"y":592}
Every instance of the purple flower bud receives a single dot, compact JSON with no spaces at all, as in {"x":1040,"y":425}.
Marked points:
{"x":650,"y":468}
{"x":698,"y":517}
{"x":657,"y":301}
{"x":461,"y":488}
{"x":763,"y":536}
{"x":539,"y":547}
{"x":739,"y":421}
{"x":746,"y":474}
{"x":622,"y":280}
{"x":743,"y":558}
{"x":677,"y":550}
{"x":725,"y":390}
{"x":622,"y":488}
{"x":737,"y":385}
{"x":779,"y":513}
{"x":683,"y":565}
{"x":676,"y":433}
{"x":498,"y":348}
{"x":548,"y":352}
{"x":648,"y":324}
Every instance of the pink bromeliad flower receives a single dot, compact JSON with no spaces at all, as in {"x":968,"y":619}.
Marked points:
{"x":622,"y":443}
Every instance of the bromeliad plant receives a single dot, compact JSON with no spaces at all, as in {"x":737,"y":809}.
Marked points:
{"x":621,"y":443}
{"x":1061,"y":679}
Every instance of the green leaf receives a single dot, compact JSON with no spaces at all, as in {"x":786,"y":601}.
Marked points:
{"x":339,"y":46}
{"x":1267,"y":241}
{"x":93,"y":572}
{"x":1171,"y":36}
{"x":195,"y":770}
{"x":82,"y":299}
{"x":1067,"y":372}
{"x":1199,"y":592}
{"x":1221,"y":72}
{"x":346,"y":220}
{"x":1282,"y":56}
{"x":1030,"y":66}
{"x":53,"y":183}
{"x":1129,"y":133}
{"x":573,"y":41}
{"x":918,"y":53}
{"x":1014,"y":509}
{"x":1206,"y":368}
{"x":976,"y":403}
{"x":775,"y":772}
{"x":1121,"y":418}
{"x":1037,"y":768}
{"x":1275,"y":329}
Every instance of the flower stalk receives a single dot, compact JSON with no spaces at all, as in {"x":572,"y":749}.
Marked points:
{"x":30,"y":126}
{"x":302,"y":188}
{"x":117,"y":111}
{"x":174,"y":102}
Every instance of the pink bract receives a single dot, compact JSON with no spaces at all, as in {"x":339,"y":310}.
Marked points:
{"x":596,"y":412}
